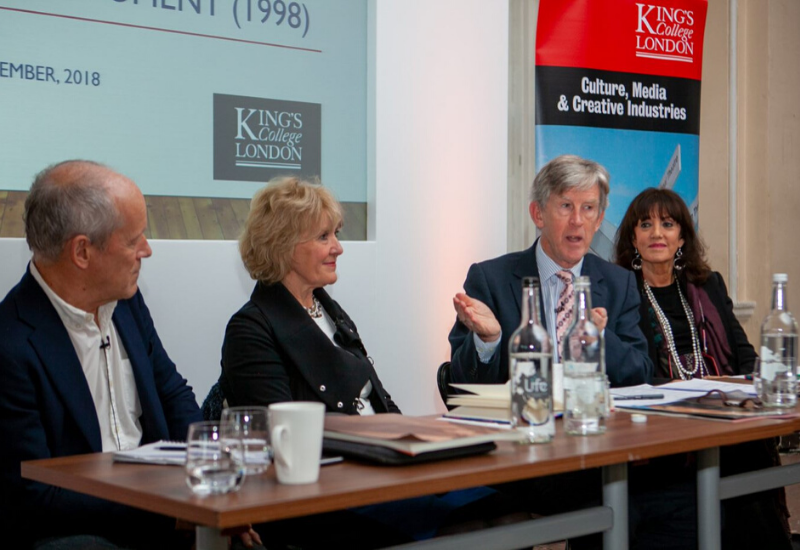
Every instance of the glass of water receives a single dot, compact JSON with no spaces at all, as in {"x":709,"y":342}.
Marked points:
{"x":213,"y":462}
{"x":586,"y":404}
{"x":250,"y":426}
{"x":775,"y":380}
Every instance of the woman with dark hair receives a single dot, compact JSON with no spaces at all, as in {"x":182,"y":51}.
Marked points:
{"x":686,"y":314}
{"x":687,"y":318}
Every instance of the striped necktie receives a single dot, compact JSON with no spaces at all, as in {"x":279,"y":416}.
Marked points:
{"x":566,"y":302}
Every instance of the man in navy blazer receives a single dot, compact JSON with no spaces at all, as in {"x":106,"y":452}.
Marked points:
{"x":82,"y":369}
{"x":568,"y":200}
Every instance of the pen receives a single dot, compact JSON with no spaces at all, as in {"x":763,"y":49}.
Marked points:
{"x":171,"y":448}
{"x":643,"y":396}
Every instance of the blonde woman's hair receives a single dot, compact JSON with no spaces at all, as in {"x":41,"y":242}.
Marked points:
{"x":282,"y":215}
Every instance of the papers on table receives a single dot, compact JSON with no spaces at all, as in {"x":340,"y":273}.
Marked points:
{"x":692,"y":398}
{"x":173,"y":453}
{"x":674,"y":391}
{"x":670,"y":395}
{"x":707,"y":384}
{"x":170,"y":453}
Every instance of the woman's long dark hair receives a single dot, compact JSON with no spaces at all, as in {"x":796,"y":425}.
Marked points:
{"x":665,"y":203}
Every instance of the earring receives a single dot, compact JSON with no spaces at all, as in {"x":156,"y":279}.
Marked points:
{"x":636,"y":262}
{"x":678,"y":263}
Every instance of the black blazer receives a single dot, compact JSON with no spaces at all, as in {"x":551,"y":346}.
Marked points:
{"x":46,"y":411}
{"x":498,"y":284}
{"x":273,"y":352}
{"x":744,"y":355}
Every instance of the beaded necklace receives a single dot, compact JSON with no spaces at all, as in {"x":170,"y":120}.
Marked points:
{"x":315,"y":311}
{"x":699,"y":365}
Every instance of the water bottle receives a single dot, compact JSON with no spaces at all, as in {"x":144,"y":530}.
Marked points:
{"x":583,"y":355}
{"x":775,"y":376}
{"x":530,"y":367}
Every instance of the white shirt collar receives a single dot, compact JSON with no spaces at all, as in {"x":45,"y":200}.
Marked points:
{"x":73,"y":318}
{"x":548,"y":267}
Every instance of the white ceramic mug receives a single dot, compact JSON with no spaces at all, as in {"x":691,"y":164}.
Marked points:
{"x":296,"y":430}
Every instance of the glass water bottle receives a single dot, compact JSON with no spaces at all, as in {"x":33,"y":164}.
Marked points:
{"x":583,"y":356}
{"x":775,"y":377}
{"x":530,"y":355}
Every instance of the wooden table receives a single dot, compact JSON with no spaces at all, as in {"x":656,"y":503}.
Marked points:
{"x":162,"y":489}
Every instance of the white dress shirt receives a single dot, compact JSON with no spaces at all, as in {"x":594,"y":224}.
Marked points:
{"x":552,"y":286}
{"x":107,"y":370}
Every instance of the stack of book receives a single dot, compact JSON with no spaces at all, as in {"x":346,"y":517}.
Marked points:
{"x":491,"y":403}
{"x":482,"y":404}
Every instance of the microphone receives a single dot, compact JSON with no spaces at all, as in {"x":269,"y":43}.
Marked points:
{"x":107,"y":344}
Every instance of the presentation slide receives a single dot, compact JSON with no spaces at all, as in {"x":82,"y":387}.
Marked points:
{"x":189,"y":98}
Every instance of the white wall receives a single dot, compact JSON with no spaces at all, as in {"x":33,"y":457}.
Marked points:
{"x":440,"y":125}
{"x":441,"y":156}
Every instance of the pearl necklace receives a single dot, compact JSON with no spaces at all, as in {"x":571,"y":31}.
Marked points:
{"x":315,"y":311}
{"x":699,"y":365}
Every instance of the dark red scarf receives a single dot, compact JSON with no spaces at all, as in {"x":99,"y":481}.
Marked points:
{"x":711,"y":329}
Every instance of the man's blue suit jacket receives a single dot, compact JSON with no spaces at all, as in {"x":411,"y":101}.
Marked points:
{"x":46,"y":409}
{"x":498,"y":284}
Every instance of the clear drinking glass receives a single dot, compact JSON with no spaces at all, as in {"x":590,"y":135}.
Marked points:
{"x":775,"y":384}
{"x":250,"y":425}
{"x":213,"y":462}
{"x":586,"y":404}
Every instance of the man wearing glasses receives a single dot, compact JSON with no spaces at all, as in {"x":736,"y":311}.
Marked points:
{"x":568,"y":200}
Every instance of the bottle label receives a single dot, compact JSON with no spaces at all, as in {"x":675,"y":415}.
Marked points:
{"x":769,"y":371}
{"x":772,"y":364}
{"x":531,"y":392}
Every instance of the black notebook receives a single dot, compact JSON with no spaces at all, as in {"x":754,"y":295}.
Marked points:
{"x":390,"y":457}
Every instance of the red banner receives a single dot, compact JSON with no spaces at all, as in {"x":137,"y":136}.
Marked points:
{"x":654,"y":37}
{"x":618,"y":82}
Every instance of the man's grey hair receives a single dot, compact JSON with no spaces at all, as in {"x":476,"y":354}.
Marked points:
{"x":68,"y":199}
{"x":569,"y":172}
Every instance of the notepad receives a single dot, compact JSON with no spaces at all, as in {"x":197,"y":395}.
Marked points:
{"x":171,"y":453}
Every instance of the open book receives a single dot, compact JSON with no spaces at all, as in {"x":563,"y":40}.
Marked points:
{"x":407,"y":434}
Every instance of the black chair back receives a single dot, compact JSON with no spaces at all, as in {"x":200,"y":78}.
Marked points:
{"x":212,"y":405}
{"x":443,"y":381}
